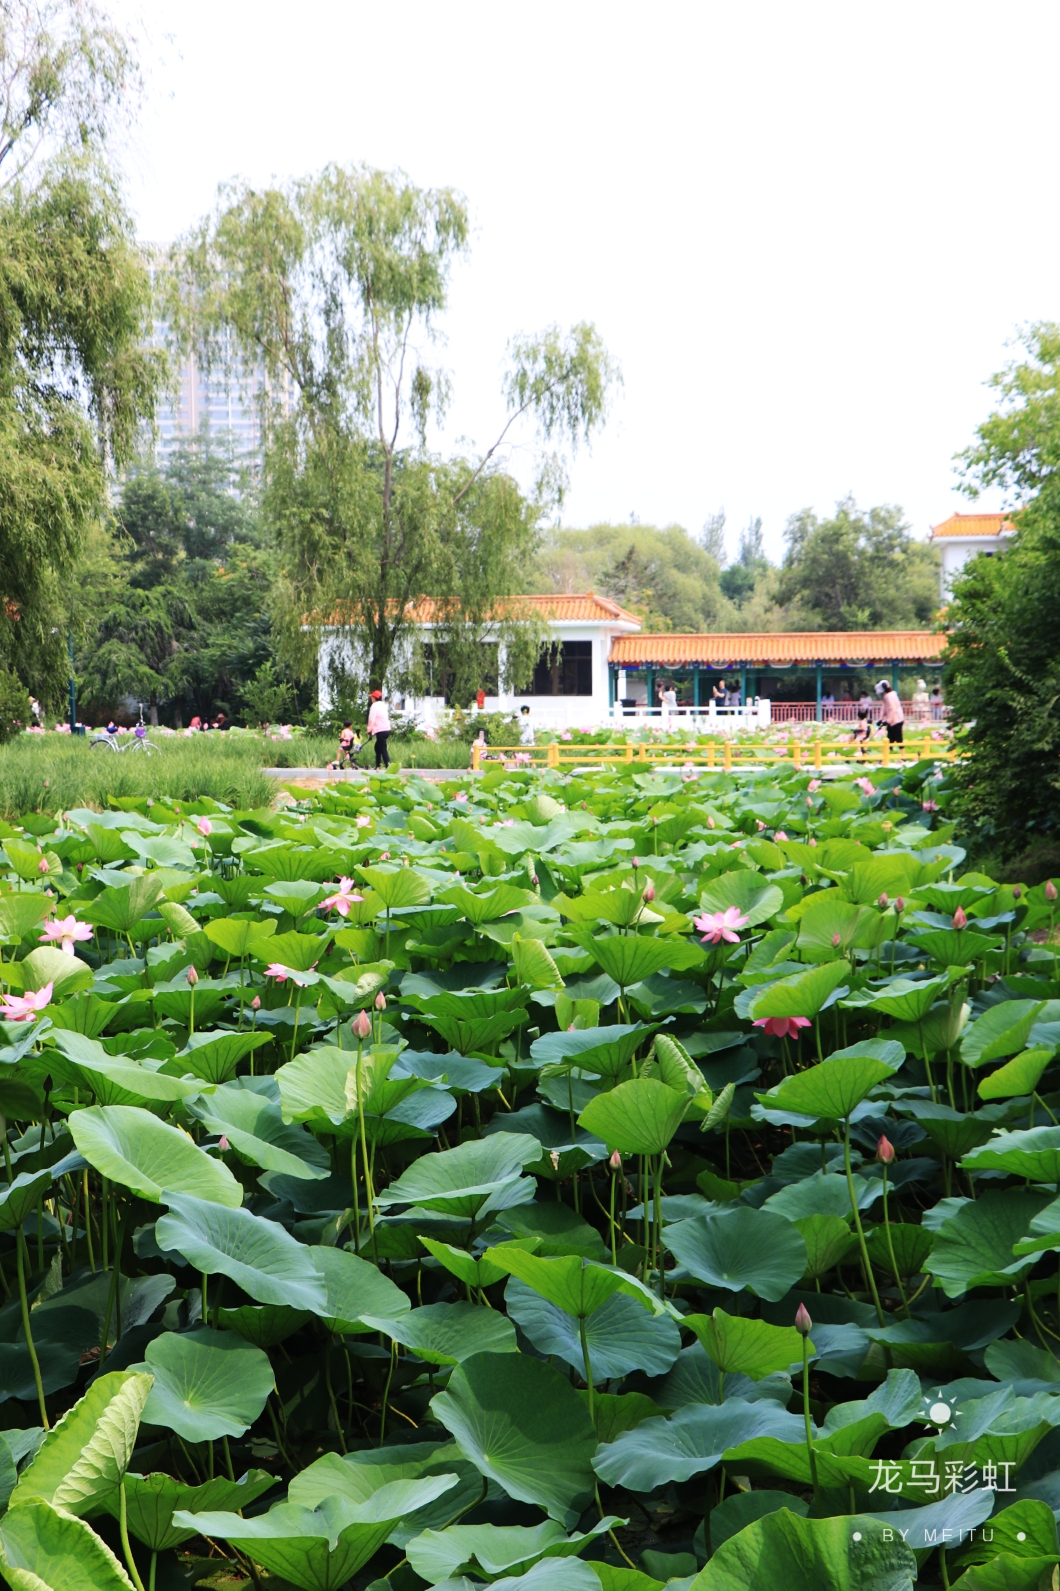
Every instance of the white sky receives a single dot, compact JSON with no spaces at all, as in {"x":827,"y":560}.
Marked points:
{"x":808,"y":232}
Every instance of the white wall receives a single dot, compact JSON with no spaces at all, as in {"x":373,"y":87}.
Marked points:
{"x":956,"y":551}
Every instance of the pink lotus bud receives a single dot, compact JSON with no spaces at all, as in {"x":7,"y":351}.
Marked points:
{"x":615,"y":1161}
{"x":655,"y":821}
{"x":223,"y":1144}
{"x":255,"y":1004}
{"x":535,"y":881}
{"x":899,"y":903}
{"x":204,"y":826}
{"x":634,"y":862}
{"x":1016,"y":892}
{"x":812,"y":840}
{"x":885,"y":1151}
{"x":362,"y":1025}
{"x":959,"y":919}
{"x":42,"y":865}
{"x":809,"y":801}
{"x":803,"y":1323}
{"x":191,"y":977}
{"x":780,"y":835}
{"x":760,"y":824}
{"x":835,"y":941}
{"x":710,"y":821}
{"x":1050,"y":890}
{"x":380,"y":1001}
{"x":649,"y":891}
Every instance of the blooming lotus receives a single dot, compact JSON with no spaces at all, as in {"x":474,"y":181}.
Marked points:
{"x":866,"y":786}
{"x":204,"y":827}
{"x":25,"y":1007}
{"x":281,"y":973}
{"x":343,"y":898}
{"x":783,"y":1027}
{"x":66,"y":930}
{"x":363,"y":820}
{"x":722,"y":925}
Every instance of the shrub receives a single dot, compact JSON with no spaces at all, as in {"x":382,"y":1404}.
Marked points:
{"x":15,"y":710}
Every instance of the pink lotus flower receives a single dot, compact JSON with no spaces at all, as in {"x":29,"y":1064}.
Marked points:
{"x":960,"y":920}
{"x":783,"y":1027}
{"x":615,"y":1161}
{"x":649,"y":893}
{"x":204,"y":827}
{"x":930,"y":806}
{"x":814,"y":784}
{"x":710,"y":821}
{"x":380,"y":1001}
{"x":882,"y":901}
{"x":42,"y":865}
{"x":1050,"y":890}
{"x":277,"y":970}
{"x":780,"y":835}
{"x":342,"y":899}
{"x":362,"y":1025}
{"x":885,"y":1151}
{"x":223,"y":1144}
{"x":899,"y":903}
{"x":384,"y":856}
{"x":363,"y":820}
{"x":255,"y":1004}
{"x":191,"y":977}
{"x":866,"y":786}
{"x":803,"y":1323}
{"x":25,"y":1007}
{"x":722,"y":925}
{"x":65,"y":930}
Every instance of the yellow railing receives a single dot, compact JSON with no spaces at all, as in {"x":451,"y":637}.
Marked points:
{"x":724,"y":756}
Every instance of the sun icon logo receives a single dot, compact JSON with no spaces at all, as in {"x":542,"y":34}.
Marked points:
{"x":938,"y":1412}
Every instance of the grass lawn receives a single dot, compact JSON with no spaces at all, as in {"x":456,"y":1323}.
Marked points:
{"x":51,"y":773}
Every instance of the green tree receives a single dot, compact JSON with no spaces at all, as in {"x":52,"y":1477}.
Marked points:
{"x":185,"y":623}
{"x":1002,"y":674}
{"x":76,"y":380}
{"x":334,"y":286}
{"x":739,"y":581}
{"x":662,"y":575}
{"x":857,"y":571}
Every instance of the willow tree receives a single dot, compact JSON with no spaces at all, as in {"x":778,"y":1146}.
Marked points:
{"x":332,"y":289}
{"x":76,"y":377}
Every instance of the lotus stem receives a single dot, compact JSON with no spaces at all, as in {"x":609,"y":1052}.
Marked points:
{"x":866,"y":1262}
{"x":890,"y":1244}
{"x":808,"y":1421}
{"x":587,"y":1363}
{"x":20,"y":1244}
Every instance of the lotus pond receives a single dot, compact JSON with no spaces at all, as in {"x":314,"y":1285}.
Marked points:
{"x":610,"y":1181}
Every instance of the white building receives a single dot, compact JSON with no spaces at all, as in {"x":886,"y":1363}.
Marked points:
{"x":962,"y":536}
{"x":572,"y":684}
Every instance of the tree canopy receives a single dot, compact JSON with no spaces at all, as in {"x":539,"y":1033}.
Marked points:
{"x":859,"y":570}
{"x":333,"y":286}
{"x":1002,"y":670}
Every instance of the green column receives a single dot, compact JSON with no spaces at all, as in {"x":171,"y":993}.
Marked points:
{"x":649,"y":676}
{"x":612,"y":679}
{"x":743,"y":684}
{"x":697,"y":676}
{"x":819,"y":690}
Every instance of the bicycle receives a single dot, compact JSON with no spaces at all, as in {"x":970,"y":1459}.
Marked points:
{"x":139,"y":741}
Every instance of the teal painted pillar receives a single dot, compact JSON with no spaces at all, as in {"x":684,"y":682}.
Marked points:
{"x":743,"y":684}
{"x":649,"y":676}
{"x":612,"y":679}
{"x":819,"y":690}
{"x":697,"y":676}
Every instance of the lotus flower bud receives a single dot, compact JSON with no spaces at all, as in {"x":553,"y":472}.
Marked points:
{"x":959,"y":919}
{"x":223,"y":1144}
{"x":885,"y":1151}
{"x":634,"y":862}
{"x":899,"y":903}
{"x":380,"y":1001}
{"x":1050,"y":890}
{"x":803,"y":880}
{"x":42,"y":865}
{"x":803,"y":1323}
{"x":362,"y":1025}
{"x":534,"y":880}
{"x":649,"y":891}
{"x":883,"y":901}
{"x":255,"y":1004}
{"x":812,"y":840}
{"x":1016,"y":892}
{"x":710,"y":821}
{"x":835,"y":941}
{"x":780,"y":835}
{"x":191,"y":977}
{"x":615,"y":1161}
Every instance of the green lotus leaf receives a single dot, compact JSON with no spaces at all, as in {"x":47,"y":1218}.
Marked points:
{"x":483,"y":1174}
{"x":829,"y":1090}
{"x":1021,"y":1075}
{"x":742,"y":1346}
{"x":207,"y":1384}
{"x":784,"y":1549}
{"x":902,"y":998}
{"x":139,"y":1152}
{"x":739,"y":1248}
{"x":215,"y":1056}
{"x":1001,"y":1031}
{"x":753,"y":896}
{"x":1034,"y":1154}
{"x":264,"y":1325}
{"x":803,"y":994}
{"x":355,"y":1288}
{"x":604,"y":1051}
{"x":260,"y":1256}
{"x":47,"y":964}
{"x":638,"y":1118}
{"x":121,"y":907}
{"x":494,"y":1550}
{"x":828,"y":1240}
{"x":117,"y":1079}
{"x":251,"y":1120}
{"x":396,"y":886}
{"x":630,"y":958}
{"x":239,"y":938}
{"x":85,"y":1456}
{"x":620,"y":1336}
{"x":447,"y":1334}
{"x":359,"y":1475}
{"x":46,"y":1549}
{"x":151,"y":1501}
{"x":320,"y":1548}
{"x":570,"y":1282}
{"x":693,"y":1440}
{"x":505,"y":1411}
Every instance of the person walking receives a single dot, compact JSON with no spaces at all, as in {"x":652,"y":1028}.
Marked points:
{"x":893,"y":715}
{"x":379,"y":726}
{"x":921,"y":702}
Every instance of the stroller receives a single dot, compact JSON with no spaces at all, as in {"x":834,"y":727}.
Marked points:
{"x":352,"y":756}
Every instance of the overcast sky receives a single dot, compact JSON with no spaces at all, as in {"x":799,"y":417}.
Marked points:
{"x":807,"y":232}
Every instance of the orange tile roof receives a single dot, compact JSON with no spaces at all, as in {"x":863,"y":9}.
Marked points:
{"x":973,"y":525}
{"x":807,"y":646}
{"x":562,"y":607}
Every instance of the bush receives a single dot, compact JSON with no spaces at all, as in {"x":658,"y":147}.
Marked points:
{"x":268,"y":699}
{"x":15,"y":710}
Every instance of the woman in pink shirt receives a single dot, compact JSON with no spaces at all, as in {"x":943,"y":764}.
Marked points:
{"x":379,"y":726}
{"x":893,"y":716}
